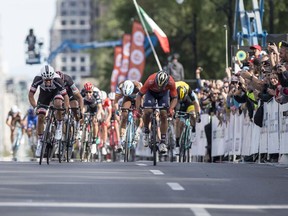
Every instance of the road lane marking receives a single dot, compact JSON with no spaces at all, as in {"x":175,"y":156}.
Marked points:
{"x":141,"y":164}
{"x":139,"y":205}
{"x":157,"y":172}
{"x":200,"y":212}
{"x":175,"y":186}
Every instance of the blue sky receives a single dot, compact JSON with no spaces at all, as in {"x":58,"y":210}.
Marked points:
{"x":16,"y":18}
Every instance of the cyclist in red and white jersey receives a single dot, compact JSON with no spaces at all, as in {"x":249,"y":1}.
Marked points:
{"x":52,"y":90}
{"x":158,"y":87}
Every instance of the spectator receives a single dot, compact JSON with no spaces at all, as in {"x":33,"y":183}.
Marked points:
{"x":175,"y":68}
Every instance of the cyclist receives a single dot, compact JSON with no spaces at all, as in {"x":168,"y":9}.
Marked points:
{"x":52,"y":91}
{"x":158,"y":87}
{"x":127,"y":91}
{"x":14,"y":119}
{"x":93,"y":103}
{"x":187,"y":102}
{"x":115,"y":118}
{"x":105,"y":122}
{"x":31,"y":122}
{"x":75,"y":98}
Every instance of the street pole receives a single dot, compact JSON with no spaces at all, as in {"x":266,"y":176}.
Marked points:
{"x":226,"y":44}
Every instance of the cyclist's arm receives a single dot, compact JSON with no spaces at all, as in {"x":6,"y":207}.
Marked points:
{"x":79,"y":98}
{"x":9,"y":120}
{"x":32,"y":99}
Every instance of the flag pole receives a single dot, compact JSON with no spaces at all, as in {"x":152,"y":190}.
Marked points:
{"x":149,"y":39}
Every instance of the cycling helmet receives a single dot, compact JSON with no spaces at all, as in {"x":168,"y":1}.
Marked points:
{"x":182,"y":92}
{"x":47,"y":72}
{"x":60,"y":74}
{"x":111,"y":95}
{"x":128,"y":88}
{"x":88,"y":86}
{"x":103,"y":95}
{"x":162,"y":79}
{"x":14,"y":109}
{"x":30,"y":111}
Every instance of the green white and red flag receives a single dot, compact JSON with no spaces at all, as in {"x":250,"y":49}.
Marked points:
{"x":151,"y":26}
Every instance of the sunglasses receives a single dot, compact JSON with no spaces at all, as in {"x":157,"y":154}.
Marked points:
{"x":89,"y":92}
{"x":47,"y":80}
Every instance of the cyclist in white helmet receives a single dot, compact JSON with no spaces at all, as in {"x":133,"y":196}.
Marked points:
{"x":52,"y":90}
{"x":126,"y":90}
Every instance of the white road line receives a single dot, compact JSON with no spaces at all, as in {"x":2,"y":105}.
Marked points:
{"x":140,"y":164}
{"x":139,"y":205}
{"x":157,"y":172}
{"x":175,"y":186}
{"x":200,"y":212}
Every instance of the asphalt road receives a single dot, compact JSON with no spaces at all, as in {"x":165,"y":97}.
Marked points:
{"x":199,"y":189}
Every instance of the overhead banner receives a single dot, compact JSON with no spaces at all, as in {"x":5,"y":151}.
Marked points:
{"x":126,"y":42}
{"x":137,"y":53}
{"x":116,"y":69}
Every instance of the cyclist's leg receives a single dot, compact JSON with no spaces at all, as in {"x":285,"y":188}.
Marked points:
{"x":124,"y":117}
{"x":191,"y":110}
{"x":58,"y":103}
{"x":163,"y":100}
{"x":149,"y":101}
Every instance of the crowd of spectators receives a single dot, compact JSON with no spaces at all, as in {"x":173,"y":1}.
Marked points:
{"x":261,"y":76}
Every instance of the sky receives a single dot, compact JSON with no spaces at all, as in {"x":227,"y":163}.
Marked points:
{"x":16,"y":18}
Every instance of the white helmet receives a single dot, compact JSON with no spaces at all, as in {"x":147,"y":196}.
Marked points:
{"x":111,"y":95}
{"x":14,"y":109}
{"x":47,"y":72}
{"x":103,"y":95}
{"x":128,"y":88}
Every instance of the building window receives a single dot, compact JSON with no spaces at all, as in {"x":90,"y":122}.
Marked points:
{"x":82,"y":68}
{"x":82,"y":59}
{"x":83,"y":13}
{"x":73,"y":59}
{"x":63,"y":22}
{"x":63,"y":68}
{"x":64,"y":13}
{"x":72,"y":22}
{"x":82,"y":22}
{"x":64,"y":59}
{"x":72,"y":3}
{"x":73,"y":68}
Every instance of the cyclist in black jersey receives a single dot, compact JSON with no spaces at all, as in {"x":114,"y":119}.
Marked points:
{"x":52,"y":91}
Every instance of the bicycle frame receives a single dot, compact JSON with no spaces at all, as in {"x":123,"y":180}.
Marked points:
{"x":130,"y":134}
{"x":86,"y":137}
{"x":153,"y":136}
{"x":184,"y":154}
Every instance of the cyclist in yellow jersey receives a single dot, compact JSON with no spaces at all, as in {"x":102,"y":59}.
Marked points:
{"x":187,"y":102}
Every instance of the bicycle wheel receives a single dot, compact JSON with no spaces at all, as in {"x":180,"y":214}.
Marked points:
{"x":128,"y":142}
{"x":153,"y":140}
{"x":45,"y":140}
{"x":182,"y":146}
{"x":83,"y":143}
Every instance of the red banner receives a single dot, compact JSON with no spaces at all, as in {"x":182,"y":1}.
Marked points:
{"x":126,"y":41}
{"x":137,"y":53}
{"x":116,"y":69}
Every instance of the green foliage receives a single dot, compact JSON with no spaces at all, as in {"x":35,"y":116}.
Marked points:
{"x":195,"y":30}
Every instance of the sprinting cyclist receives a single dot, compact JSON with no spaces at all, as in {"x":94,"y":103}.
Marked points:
{"x":127,"y":91}
{"x":105,"y":122}
{"x":93,"y":103}
{"x":31,"y":122}
{"x":75,"y":98}
{"x":52,"y":90}
{"x":158,"y":87}
{"x":14,"y":119}
{"x":187,"y":102}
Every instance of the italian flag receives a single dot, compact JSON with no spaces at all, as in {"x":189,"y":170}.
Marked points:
{"x":151,"y":26}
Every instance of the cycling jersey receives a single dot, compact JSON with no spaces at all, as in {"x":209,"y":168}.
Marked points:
{"x":70,"y":86}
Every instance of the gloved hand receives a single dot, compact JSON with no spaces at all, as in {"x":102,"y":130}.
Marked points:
{"x":170,"y":112}
{"x":137,"y":113}
{"x":198,"y":118}
{"x":117,"y":112}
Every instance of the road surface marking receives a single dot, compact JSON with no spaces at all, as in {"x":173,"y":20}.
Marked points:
{"x":138,"y":205}
{"x":200,"y":212}
{"x":175,"y":186}
{"x":141,"y":164}
{"x":157,"y":172}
